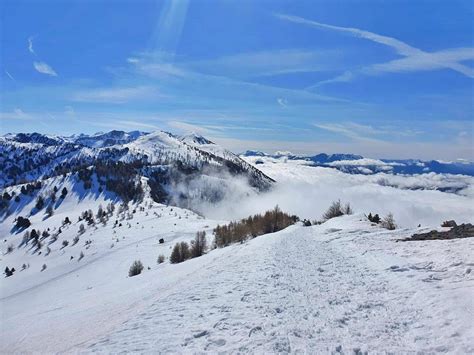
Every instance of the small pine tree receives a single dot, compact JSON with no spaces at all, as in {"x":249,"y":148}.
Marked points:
{"x":49,"y":210}
{"x":161,"y":259}
{"x":39,"y":203}
{"x":136,"y":268}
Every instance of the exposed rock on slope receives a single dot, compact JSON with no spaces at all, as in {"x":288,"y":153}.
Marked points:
{"x":461,"y":231}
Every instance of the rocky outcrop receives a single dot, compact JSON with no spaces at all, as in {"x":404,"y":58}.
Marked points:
{"x":461,"y":231}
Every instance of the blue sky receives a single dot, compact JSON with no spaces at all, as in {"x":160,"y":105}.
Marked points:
{"x":379,"y":78}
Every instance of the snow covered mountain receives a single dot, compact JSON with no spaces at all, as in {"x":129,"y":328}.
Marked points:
{"x":165,"y":162}
{"x":357,"y":164}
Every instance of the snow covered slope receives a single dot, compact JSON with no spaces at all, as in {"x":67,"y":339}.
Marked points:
{"x":341,"y":286}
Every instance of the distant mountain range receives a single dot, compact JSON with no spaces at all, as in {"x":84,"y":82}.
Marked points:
{"x":357,"y":164}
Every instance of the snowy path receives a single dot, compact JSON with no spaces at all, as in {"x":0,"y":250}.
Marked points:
{"x":290,"y":291}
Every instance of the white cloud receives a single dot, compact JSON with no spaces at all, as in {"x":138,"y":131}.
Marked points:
{"x":16,"y":114}
{"x":269,"y":63}
{"x":30,"y":45}
{"x":429,"y":61}
{"x":351,"y":130}
{"x":116,"y":95}
{"x":190,"y":128}
{"x":9,"y":75}
{"x":282,"y":102}
{"x":343,"y":78}
{"x":401,"y":47}
{"x":415,"y":59}
{"x":44,"y":68}
{"x":125,"y":125}
{"x":298,"y":186}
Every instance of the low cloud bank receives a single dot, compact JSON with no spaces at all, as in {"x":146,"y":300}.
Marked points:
{"x":308,"y":191}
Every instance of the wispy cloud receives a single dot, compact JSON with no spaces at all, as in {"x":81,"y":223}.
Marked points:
{"x":282,"y":102}
{"x":343,"y":78}
{"x":415,"y":58}
{"x":270,"y":63}
{"x":124,"y":124}
{"x":364,"y":132}
{"x":190,"y":128}
{"x":401,"y":47}
{"x":429,"y":61}
{"x":345,"y":130}
{"x":30,"y":45}
{"x":43,"y":68}
{"x":9,"y":75}
{"x":16,"y":114}
{"x":117,"y":95}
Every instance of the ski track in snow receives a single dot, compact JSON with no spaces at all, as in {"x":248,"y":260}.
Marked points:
{"x":290,"y":292}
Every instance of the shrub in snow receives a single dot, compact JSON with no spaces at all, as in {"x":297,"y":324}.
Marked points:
{"x":82,"y":229}
{"x":180,"y":253}
{"x":9,"y":248}
{"x":388,"y":222}
{"x":34,"y":234}
{"x":39,"y":203}
{"x":75,"y":240}
{"x":337,"y":209}
{"x":65,"y":243}
{"x":161,"y":259}
{"x":9,"y":272}
{"x":136,"y":268}
{"x":348,"y":209}
{"x":49,"y":211}
{"x":43,"y":267}
{"x":81,"y":255}
{"x":198,"y":245}
{"x":44,"y":235}
{"x":374,"y":219}
{"x":22,"y":222}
